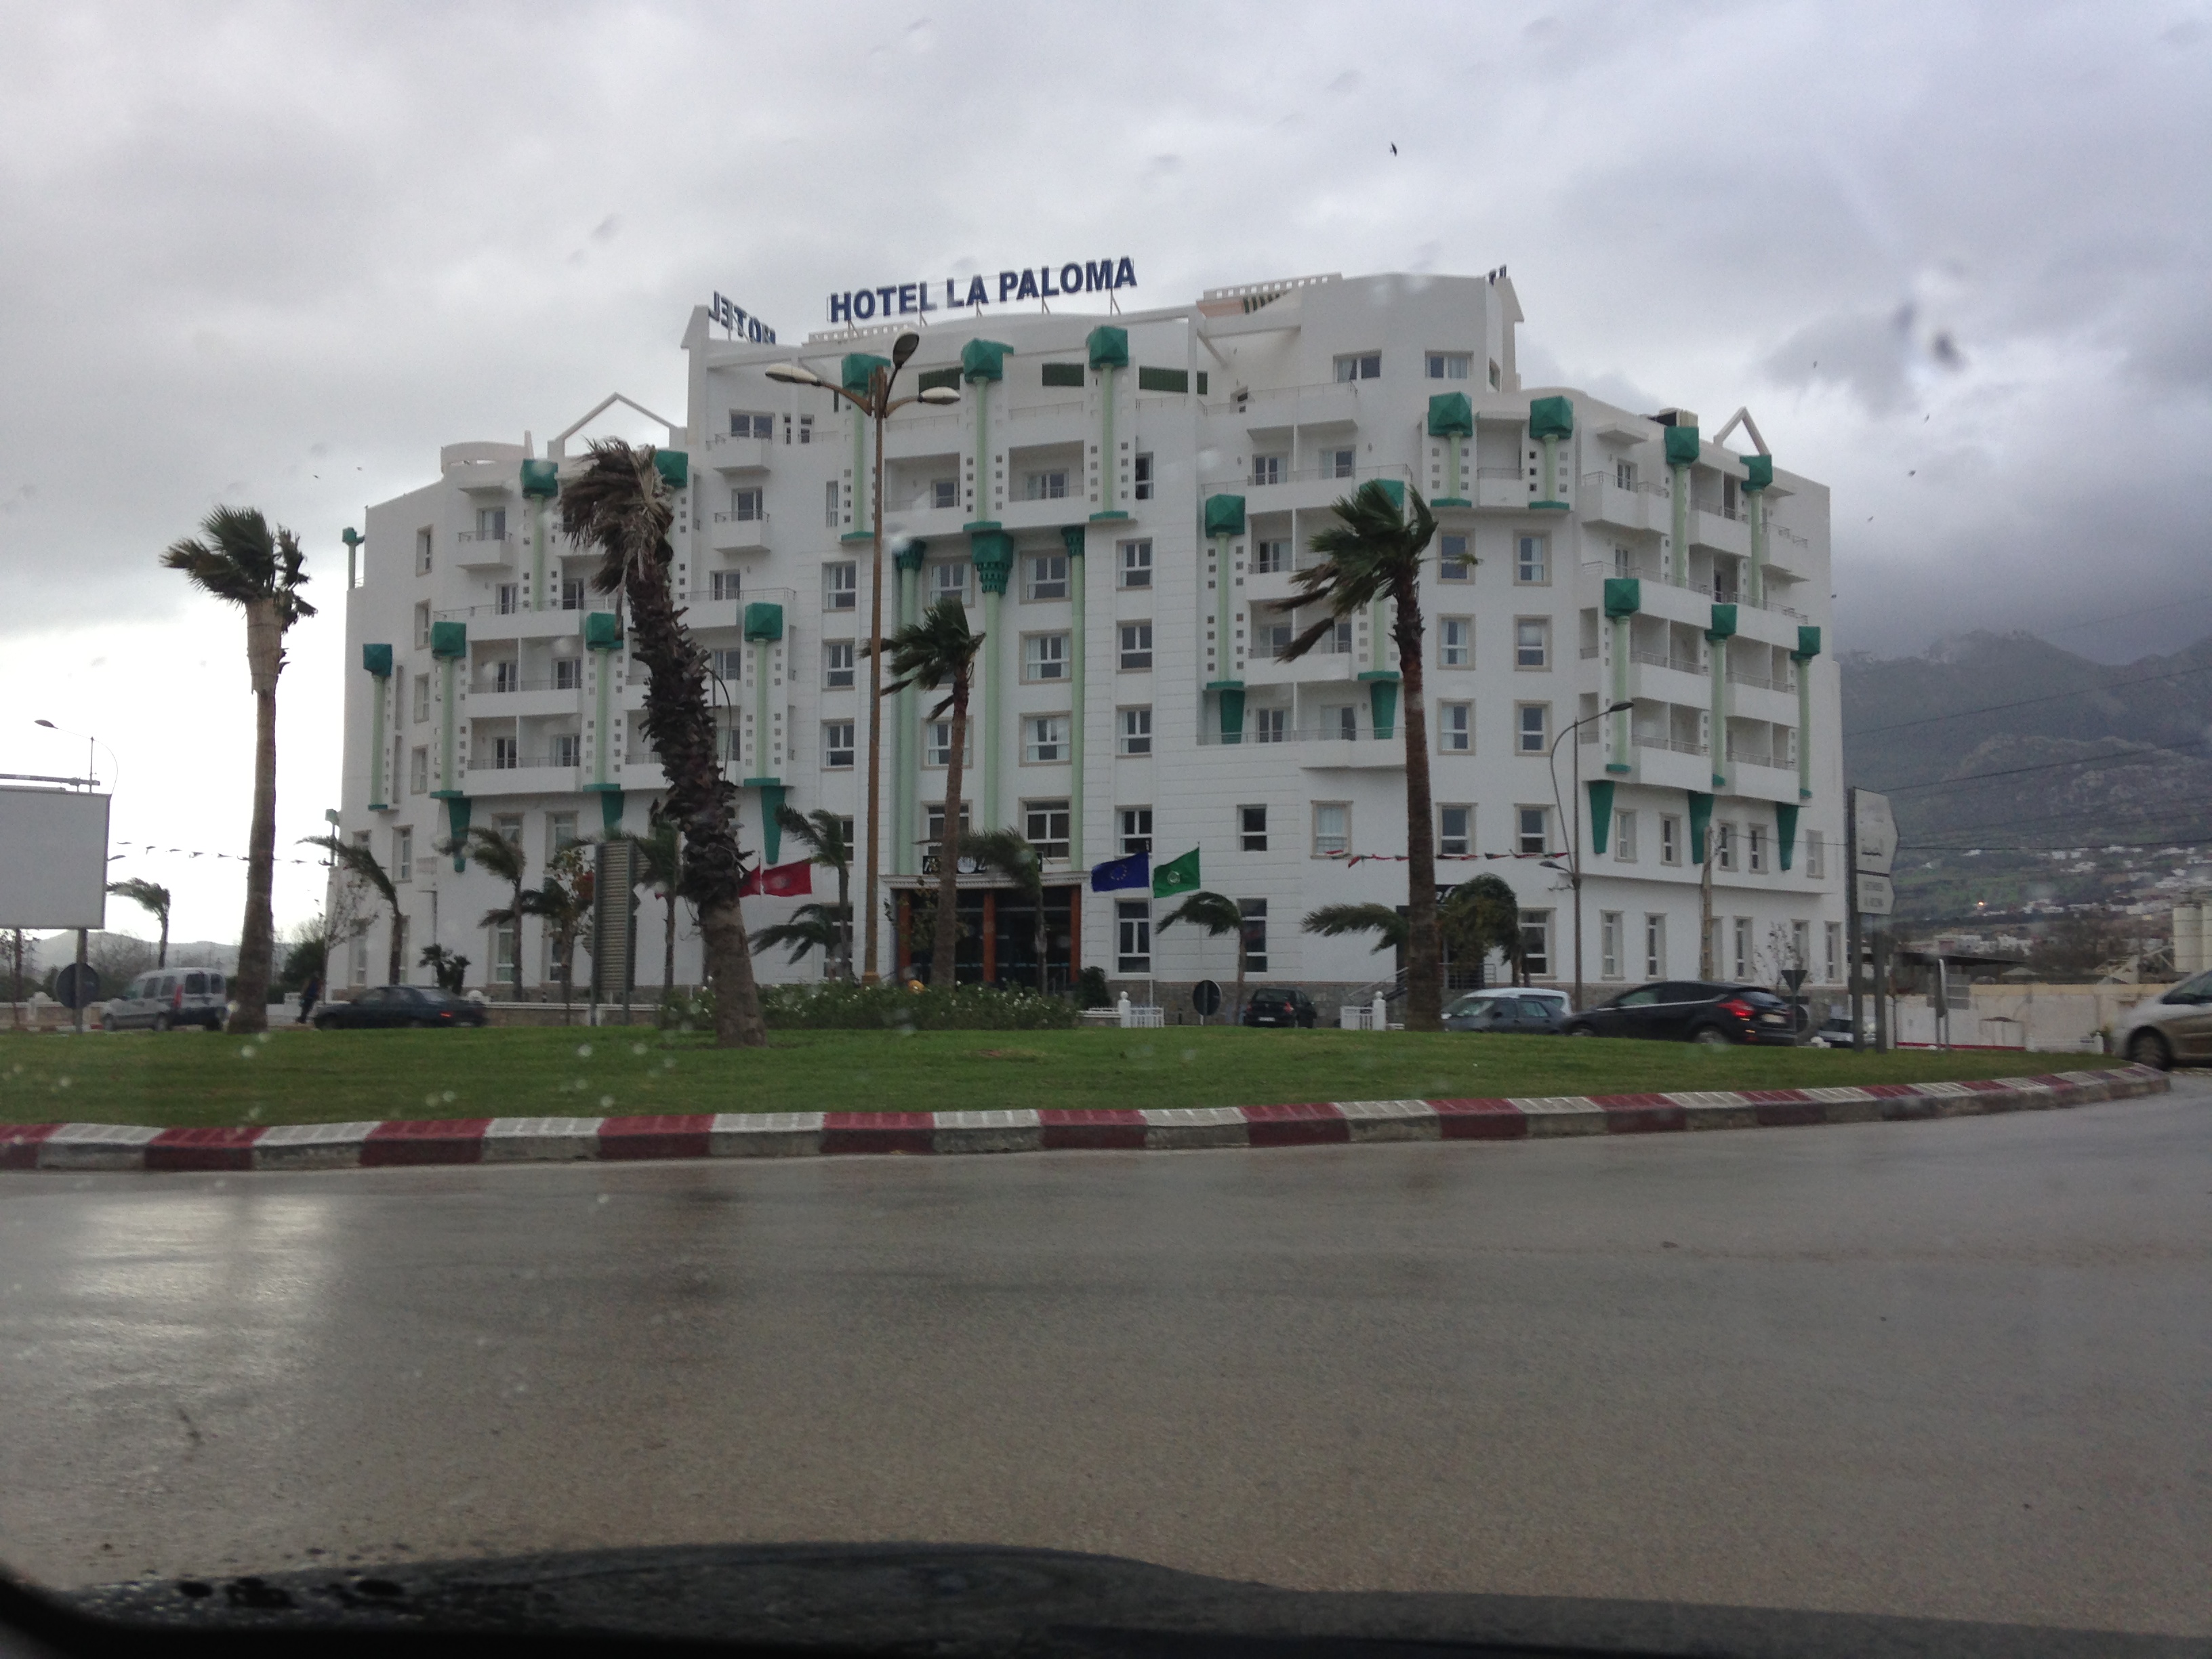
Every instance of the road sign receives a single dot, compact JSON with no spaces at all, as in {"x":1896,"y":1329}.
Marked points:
{"x":1877,"y":897}
{"x":1877,"y":837}
{"x":1206,"y":997}
{"x":1794,"y":979}
{"x":77,"y":986}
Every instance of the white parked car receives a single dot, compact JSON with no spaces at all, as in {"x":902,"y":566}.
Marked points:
{"x":170,"y":997}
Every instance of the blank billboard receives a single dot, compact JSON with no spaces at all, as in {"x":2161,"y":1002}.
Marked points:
{"x":53,"y":859}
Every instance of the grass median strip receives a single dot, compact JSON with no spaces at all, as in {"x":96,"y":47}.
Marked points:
{"x":322,"y":1076}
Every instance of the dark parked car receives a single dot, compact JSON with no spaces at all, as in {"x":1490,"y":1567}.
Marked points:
{"x":398,"y":1005}
{"x":1280,"y":1005}
{"x":1691,"y":1011}
{"x":1526,"y":1012}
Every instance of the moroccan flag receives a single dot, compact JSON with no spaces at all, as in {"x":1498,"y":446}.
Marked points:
{"x":780,"y":881}
{"x":1177,"y":876}
{"x":1133,"y":870}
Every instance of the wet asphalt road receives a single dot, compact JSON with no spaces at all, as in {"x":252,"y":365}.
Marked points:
{"x":1959,"y":1369}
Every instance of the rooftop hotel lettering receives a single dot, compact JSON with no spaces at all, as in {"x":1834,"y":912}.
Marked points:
{"x":862,"y":305}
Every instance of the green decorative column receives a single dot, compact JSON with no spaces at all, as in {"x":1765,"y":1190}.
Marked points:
{"x":1760,"y":477}
{"x":1682,"y":455}
{"x":1224,"y":521}
{"x":541,"y":482}
{"x":1600,"y":812}
{"x":993,"y":551}
{"x":354,"y":543}
{"x":763,"y":632}
{"x":1623,"y":598}
{"x":1701,"y":820}
{"x":905,"y":737}
{"x":856,"y":374}
{"x":1717,"y":636}
{"x":1380,"y":679}
{"x":449,"y":644}
{"x":1551,"y":419}
{"x":982,"y":361}
{"x":603,"y":638}
{"x":1808,"y":646}
{"x":377,"y":660}
{"x":1785,"y":833}
{"x":1451,"y":417}
{"x":1109,"y":350}
{"x":1073,"y":538}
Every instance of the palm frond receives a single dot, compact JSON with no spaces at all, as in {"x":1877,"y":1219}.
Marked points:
{"x":1216,"y":913}
{"x":1334,"y":921}
{"x":939,"y":648}
{"x":618,"y":504}
{"x":150,"y":894}
{"x":810,"y":928}
{"x":1010,"y":852}
{"x":357,"y":862}
{"x":241,"y":561}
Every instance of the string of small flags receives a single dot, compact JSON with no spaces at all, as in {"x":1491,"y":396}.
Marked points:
{"x":1350,"y":858}
{"x":186,"y":852}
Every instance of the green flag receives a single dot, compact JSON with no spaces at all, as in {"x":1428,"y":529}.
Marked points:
{"x":1177,"y":876}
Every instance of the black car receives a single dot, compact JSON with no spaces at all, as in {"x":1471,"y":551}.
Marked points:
{"x":1504,"y":1013}
{"x":1280,"y":1005}
{"x":387,"y":1006}
{"x":1691,"y":1011}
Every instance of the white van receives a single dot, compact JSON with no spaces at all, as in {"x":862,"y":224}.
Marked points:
{"x":169,"y":997}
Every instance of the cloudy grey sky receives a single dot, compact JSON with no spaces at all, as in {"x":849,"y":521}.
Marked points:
{"x":1951,"y":256}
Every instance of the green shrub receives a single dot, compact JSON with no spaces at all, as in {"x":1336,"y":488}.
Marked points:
{"x":843,"y":1007}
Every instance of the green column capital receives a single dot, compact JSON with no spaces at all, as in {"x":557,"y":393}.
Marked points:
{"x":1074,"y":537}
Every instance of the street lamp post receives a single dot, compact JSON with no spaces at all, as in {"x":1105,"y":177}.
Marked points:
{"x":1575,"y":845}
{"x":877,"y":404}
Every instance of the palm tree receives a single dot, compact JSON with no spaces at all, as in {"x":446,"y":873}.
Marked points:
{"x":823,"y":833}
{"x":361,"y":864}
{"x":1374,"y":553}
{"x":1481,"y":916}
{"x":1334,"y":920}
{"x":661,"y":867}
{"x":241,"y":562}
{"x":449,"y":969}
{"x":1218,"y":915}
{"x":823,"y":927}
{"x":155,"y":897}
{"x":620,"y":502}
{"x":563,"y":901}
{"x":489,"y":850}
{"x":1010,"y":852}
{"x":937,"y":649}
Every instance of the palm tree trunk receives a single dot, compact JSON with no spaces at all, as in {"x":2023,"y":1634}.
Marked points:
{"x":943,"y":976}
{"x":396,"y":967}
{"x":515,"y":911}
{"x":738,"y":1022}
{"x":1424,"y":952}
{"x":1236,"y":1007}
{"x":668,"y":946}
{"x":161,"y":956}
{"x":256,"y":940}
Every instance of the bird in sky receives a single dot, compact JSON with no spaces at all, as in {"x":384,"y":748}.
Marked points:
{"x":1394,"y":150}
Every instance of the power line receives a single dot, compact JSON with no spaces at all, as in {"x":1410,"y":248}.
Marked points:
{"x":2024,"y":702}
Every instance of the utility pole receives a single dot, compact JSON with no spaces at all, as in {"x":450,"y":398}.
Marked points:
{"x":1854,"y":941}
{"x":1708,"y":966}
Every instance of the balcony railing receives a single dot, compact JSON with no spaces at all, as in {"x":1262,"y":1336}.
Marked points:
{"x":494,"y":687}
{"x":1640,"y":487}
{"x":1673,"y":746}
{"x":554,"y":761}
{"x":742,"y":518}
{"x":1668,"y":660}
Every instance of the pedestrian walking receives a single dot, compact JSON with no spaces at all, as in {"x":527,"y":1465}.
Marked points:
{"x":308,"y":994}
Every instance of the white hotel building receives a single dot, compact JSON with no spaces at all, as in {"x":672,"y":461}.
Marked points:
{"x":1117,"y":499}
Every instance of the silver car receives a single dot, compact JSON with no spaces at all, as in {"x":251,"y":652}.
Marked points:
{"x":169,"y":998}
{"x":2173,"y":1029}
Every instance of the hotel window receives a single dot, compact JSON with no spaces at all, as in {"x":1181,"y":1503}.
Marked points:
{"x":1254,"y":911}
{"x":837,"y":744}
{"x":832,"y":502}
{"x":1136,"y":829}
{"x":1624,"y":561}
{"x":933,"y":821}
{"x":1136,"y":730}
{"x":422,"y":698}
{"x":507,"y":826}
{"x":359,"y":959}
{"x":1455,"y":728}
{"x":1359,"y":365}
{"x":1050,"y":485}
{"x":1624,"y":474}
{"x":840,"y":586}
{"x":1493,"y":374}
{"x":1608,"y":945}
{"x":1816,"y":855}
{"x":948,"y":579}
{"x":1144,"y":490}
{"x":1044,"y":657}
{"x":1455,"y":831}
{"x":1252,"y":829}
{"x":1332,"y":828}
{"x":728,"y":663}
{"x":1048,"y":577}
{"x":1271,"y":558}
{"x":1534,"y":835}
{"x":1136,"y":562}
{"x":1532,"y":642}
{"x":572,"y":594}
{"x":1339,"y":463}
{"x":1655,"y":946}
{"x":421,"y":552}
{"x":1536,"y":944}
{"x":1339,"y":721}
{"x":508,"y":599}
{"x":1724,"y":846}
{"x":1337,"y":641}
{"x":1533,"y":726}
{"x":1136,"y":647}
{"x":723,"y":584}
{"x":1044,"y":740}
{"x":1623,"y":836}
{"x":936,"y":744}
{"x":422,"y":626}
{"x":403,"y":856}
{"x":1457,"y":564}
{"x":1801,"y":945}
{"x":1670,"y":839}
{"x":1755,"y":847}
{"x":1270,"y":640}
{"x":506,"y":756}
{"x":1455,"y":642}
{"x":1532,"y":561}
{"x":838,"y":667}
{"x":745,"y":425}
{"x":1270,"y":725}
{"x":559,"y":834}
{"x":944,"y":492}
{"x":1742,"y":952}
{"x":568,"y":750}
{"x":1133,"y":923}
{"x":418,"y":771}
{"x":805,"y":428}
{"x":1450,"y":365}
{"x":1833,"y":949}
{"x":746,"y":506}
{"x":1046,"y":823}
{"x":507,"y":675}
{"x":1266,"y":469}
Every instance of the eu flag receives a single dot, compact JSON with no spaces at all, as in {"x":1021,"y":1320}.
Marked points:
{"x":1133,"y":870}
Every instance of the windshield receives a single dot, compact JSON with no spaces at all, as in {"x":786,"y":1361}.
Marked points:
{"x":1362,"y":802}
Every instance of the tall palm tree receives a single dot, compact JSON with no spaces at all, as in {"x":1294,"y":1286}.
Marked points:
{"x":563,"y":901}
{"x":489,"y":850}
{"x":1010,"y":853}
{"x":620,"y":503}
{"x":361,"y":864}
{"x":1374,"y":552}
{"x":1218,"y":913}
{"x":937,"y":650}
{"x":1483,"y":915}
{"x":661,"y":867}
{"x":823,"y":833}
{"x":242,"y":562}
{"x":155,"y":897}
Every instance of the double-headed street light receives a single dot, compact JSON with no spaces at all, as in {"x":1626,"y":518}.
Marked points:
{"x":877,"y":404}
{"x":1575,"y":845}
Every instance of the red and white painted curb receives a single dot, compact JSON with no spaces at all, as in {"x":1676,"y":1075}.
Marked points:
{"x":799,"y":1134}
